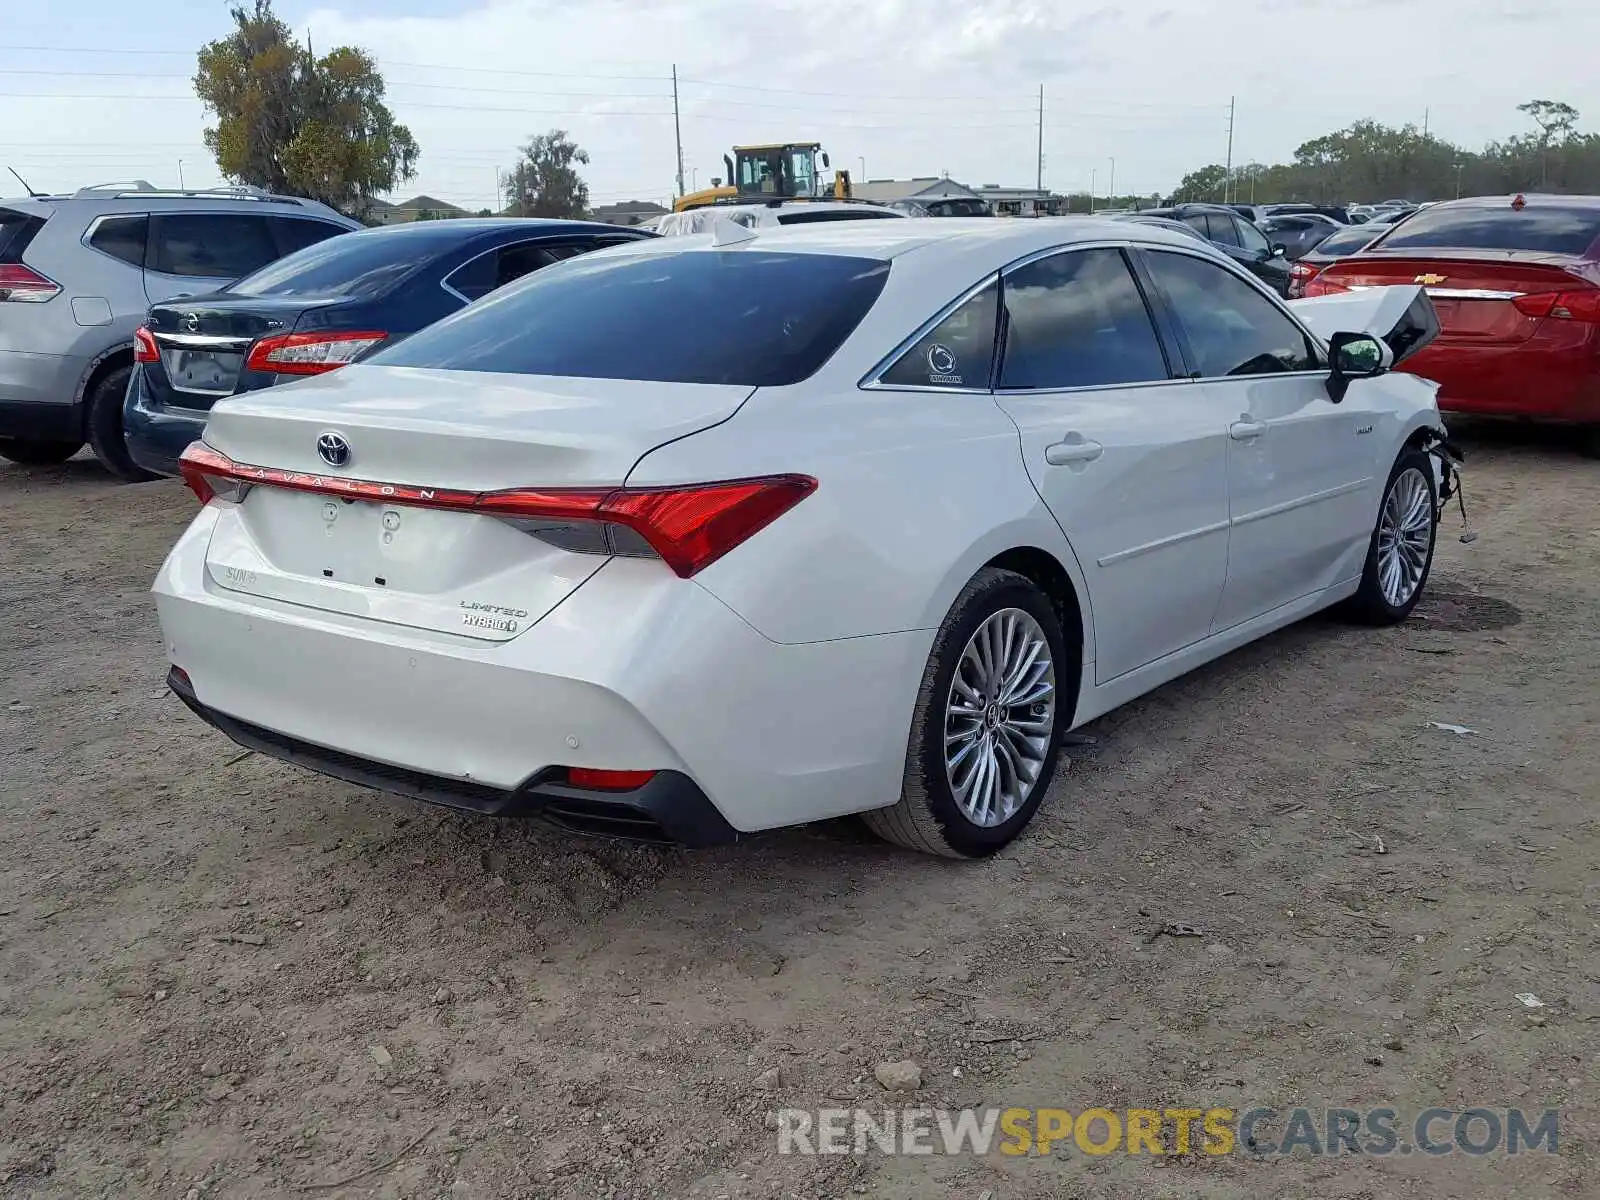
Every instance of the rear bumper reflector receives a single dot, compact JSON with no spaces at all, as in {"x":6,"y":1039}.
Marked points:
{"x":668,"y":808}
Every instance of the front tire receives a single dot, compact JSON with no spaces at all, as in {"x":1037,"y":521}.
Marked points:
{"x":32,"y":453}
{"x":1400,"y":556}
{"x":106,"y":436}
{"x":999,"y":688}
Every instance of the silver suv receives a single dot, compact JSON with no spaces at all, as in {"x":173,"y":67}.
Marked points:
{"x":78,"y":273}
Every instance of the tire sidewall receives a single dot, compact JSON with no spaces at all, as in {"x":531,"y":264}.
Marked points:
{"x":1409,"y":459}
{"x":965,"y":837}
{"x":106,"y":437}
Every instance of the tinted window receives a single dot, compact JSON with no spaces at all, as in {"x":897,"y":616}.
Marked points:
{"x":1231,"y":328}
{"x":803,"y":217}
{"x":1253,"y":238}
{"x":506,"y":265}
{"x":1224,"y":229}
{"x":958,"y":352}
{"x":1077,"y":320}
{"x":1546,"y":228}
{"x":212,"y":245}
{"x":701,"y":316}
{"x":359,"y":264}
{"x":122,"y":237}
{"x":1198,"y":223}
{"x":12,"y":228}
{"x":1346,"y":241}
{"x":296,"y":233}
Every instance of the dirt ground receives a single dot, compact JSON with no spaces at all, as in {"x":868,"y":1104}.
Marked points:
{"x":221,"y":976}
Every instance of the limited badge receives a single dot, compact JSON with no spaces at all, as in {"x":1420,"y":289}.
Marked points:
{"x":942,"y":365}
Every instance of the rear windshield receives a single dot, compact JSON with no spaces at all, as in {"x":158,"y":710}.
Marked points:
{"x":1347,"y":241}
{"x":745,"y":317}
{"x":351,"y":264}
{"x":1546,"y":229}
{"x":801,"y":216}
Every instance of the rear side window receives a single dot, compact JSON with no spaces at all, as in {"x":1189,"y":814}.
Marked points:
{"x":1224,"y":229}
{"x":484,"y":274}
{"x":1078,"y":320}
{"x":296,"y":233}
{"x":16,"y":231}
{"x":122,"y":237}
{"x":359,"y":264}
{"x":744,"y":317}
{"x":1547,"y":229}
{"x":958,"y":352}
{"x":211,"y":245}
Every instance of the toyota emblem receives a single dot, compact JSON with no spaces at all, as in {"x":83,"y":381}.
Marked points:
{"x":334,"y":450}
{"x":190,"y":322}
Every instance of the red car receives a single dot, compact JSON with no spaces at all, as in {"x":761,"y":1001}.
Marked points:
{"x":1516,"y":284}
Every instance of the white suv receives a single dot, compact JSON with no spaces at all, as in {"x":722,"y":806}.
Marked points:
{"x":78,"y":273}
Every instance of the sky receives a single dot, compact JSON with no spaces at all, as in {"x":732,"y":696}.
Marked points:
{"x":99,"y":90}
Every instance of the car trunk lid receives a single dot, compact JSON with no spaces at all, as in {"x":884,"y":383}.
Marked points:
{"x":202,"y":342}
{"x":1475,"y":295}
{"x":385,"y":536}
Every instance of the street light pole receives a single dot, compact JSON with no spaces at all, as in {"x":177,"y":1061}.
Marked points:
{"x":1091,"y":191}
{"x":1111,"y":188}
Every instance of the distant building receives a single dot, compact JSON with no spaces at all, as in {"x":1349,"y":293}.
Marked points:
{"x":931,"y":187}
{"x":1021,"y":202}
{"x":418,"y":208}
{"x":630,"y":212}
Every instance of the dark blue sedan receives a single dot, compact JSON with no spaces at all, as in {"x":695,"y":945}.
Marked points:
{"x":321,"y":308}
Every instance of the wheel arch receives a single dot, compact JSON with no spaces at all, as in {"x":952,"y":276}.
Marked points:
{"x":111,"y":359}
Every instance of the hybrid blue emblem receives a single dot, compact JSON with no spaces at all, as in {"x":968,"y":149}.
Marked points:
{"x":334,"y":450}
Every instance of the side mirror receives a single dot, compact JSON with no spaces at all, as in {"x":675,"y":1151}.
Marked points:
{"x":1355,"y":356}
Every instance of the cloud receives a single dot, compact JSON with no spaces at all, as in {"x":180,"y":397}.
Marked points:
{"x":900,"y":86}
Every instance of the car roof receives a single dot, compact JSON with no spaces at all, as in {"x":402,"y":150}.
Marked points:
{"x":957,"y":236}
{"x":1529,"y":199}
{"x":467,"y":226}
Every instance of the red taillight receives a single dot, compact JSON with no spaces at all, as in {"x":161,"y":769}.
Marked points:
{"x":608,"y":781}
{"x":145,"y":349}
{"x":1300,"y":274}
{"x":688,"y":527}
{"x":311,"y":353}
{"x":24,"y":285}
{"x":1563,"y":306}
{"x":1320,"y":285}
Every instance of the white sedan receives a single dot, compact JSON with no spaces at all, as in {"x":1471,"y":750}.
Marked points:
{"x":707,"y":535}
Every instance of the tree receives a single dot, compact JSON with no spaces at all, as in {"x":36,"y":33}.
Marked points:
{"x":1555,"y":120}
{"x":544,"y":182}
{"x":1204,"y":184}
{"x":289,"y":121}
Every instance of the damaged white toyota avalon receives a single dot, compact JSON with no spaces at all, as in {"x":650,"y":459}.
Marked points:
{"x":707,"y":535}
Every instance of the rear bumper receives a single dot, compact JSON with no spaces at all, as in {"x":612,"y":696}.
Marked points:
{"x":635,"y":670}
{"x":38,"y":396}
{"x":157,"y":434}
{"x":670,"y":808}
{"x":1551,"y":377}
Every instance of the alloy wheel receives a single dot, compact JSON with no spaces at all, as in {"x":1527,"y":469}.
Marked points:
{"x":999,"y":717}
{"x":1405,"y":533}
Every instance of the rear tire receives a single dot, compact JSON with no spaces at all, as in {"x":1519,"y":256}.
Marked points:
{"x":1002,"y":642}
{"x":1400,"y":555}
{"x":31,"y":453}
{"x":106,"y":436}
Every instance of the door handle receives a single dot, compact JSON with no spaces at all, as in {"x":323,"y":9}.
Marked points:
{"x":1244,"y":429}
{"x":1072,"y":449}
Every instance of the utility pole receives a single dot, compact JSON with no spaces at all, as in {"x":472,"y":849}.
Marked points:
{"x":1426,"y":113}
{"x":1228,"y":176}
{"x":181,"y":188}
{"x":1111,"y":188}
{"x":1038,"y":182}
{"x":499,"y":192}
{"x":677,"y":128}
